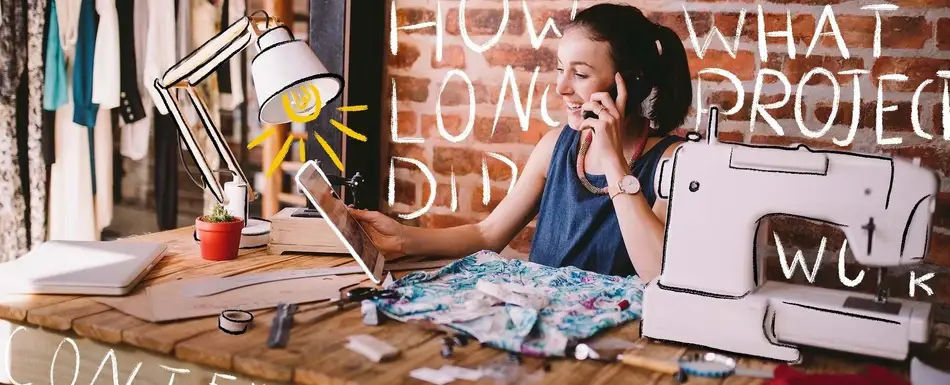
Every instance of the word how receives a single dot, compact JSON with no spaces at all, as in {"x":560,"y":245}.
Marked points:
{"x":827,"y":17}
{"x":109,"y":357}
{"x":523,"y":110}
{"x":800,"y":260}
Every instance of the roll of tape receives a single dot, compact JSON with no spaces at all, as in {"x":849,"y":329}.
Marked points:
{"x":235,"y":321}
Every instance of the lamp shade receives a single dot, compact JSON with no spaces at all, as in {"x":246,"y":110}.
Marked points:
{"x":286,"y":66}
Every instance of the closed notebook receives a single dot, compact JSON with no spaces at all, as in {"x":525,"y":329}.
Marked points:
{"x":81,"y":267}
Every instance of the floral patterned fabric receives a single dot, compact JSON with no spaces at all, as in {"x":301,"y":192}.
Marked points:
{"x":577,"y":304}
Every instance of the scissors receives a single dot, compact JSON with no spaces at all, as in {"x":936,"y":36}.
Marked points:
{"x":361,"y":293}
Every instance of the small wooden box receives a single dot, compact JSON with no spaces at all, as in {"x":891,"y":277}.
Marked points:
{"x":302,"y":234}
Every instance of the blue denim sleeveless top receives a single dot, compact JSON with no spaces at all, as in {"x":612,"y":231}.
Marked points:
{"x":578,"y":228}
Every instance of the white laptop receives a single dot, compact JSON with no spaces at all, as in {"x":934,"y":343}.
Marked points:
{"x":81,"y":267}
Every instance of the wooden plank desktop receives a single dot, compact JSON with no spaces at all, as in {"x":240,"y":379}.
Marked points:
{"x":315,"y":352}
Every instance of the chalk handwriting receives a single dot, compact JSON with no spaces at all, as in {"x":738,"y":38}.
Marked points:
{"x":789,"y":269}
{"x":115,"y":369}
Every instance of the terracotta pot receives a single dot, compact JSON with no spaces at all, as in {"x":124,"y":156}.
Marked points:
{"x":219,"y":241}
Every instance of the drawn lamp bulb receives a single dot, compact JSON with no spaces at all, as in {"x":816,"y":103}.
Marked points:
{"x":292,"y":84}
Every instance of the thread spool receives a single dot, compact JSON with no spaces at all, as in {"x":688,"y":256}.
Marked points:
{"x":235,"y":321}
{"x":236,"y":194}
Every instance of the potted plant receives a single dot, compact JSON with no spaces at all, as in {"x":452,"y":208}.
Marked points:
{"x":220,"y":234}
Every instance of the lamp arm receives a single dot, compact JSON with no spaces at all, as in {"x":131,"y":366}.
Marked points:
{"x":188,"y":73}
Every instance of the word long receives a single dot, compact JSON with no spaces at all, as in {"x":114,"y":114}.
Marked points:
{"x":799,"y":259}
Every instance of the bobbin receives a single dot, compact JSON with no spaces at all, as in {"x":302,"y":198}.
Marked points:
{"x":235,"y":321}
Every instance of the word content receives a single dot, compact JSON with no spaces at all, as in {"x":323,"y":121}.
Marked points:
{"x":109,"y":357}
{"x":799,"y":259}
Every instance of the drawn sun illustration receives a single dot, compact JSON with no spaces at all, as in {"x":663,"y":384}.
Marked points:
{"x":303,"y":105}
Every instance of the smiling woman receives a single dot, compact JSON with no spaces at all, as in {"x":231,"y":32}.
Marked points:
{"x":589,"y":183}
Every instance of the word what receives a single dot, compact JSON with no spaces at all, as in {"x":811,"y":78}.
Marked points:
{"x":523,"y":110}
{"x":109,"y":357}
{"x":799,"y":259}
{"x":827,"y":19}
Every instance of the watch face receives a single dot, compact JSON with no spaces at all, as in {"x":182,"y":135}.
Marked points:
{"x":629,"y":184}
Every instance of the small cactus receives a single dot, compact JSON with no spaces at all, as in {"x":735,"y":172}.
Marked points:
{"x":218,"y":215}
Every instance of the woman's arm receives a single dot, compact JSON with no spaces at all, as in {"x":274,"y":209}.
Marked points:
{"x":512,"y":214}
{"x":641,"y":226}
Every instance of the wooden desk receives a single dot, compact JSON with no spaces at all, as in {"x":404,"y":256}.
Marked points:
{"x":315,"y":353}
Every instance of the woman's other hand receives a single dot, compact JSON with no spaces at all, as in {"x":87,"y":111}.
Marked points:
{"x":608,"y":128}
{"x":385,"y":232}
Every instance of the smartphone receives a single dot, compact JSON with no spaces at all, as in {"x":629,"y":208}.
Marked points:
{"x":613,"y":96}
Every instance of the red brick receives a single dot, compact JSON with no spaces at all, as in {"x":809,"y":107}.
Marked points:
{"x":803,"y":27}
{"x":411,"y":89}
{"x":498,"y":170}
{"x":412,"y":16}
{"x":866,"y":117}
{"x":808,"y":2}
{"x":743,"y":66}
{"x":562,"y":17}
{"x":407,"y":124}
{"x":939,"y":249}
{"x":408,"y":150}
{"x":728,"y":99}
{"x":938,"y":127}
{"x":441,"y":221}
{"x":443,"y":194}
{"x":453,"y":125}
{"x":856,"y":31}
{"x":453,"y":56}
{"x":464,"y":160}
{"x":776,"y":140}
{"x":405,"y":192}
{"x":676,"y":21}
{"x":942,"y":214}
{"x":904,"y":32}
{"x":933,"y":4}
{"x":484,"y":22}
{"x":796,"y":233}
{"x":892,"y":121}
{"x":732,"y":136}
{"x":497,"y":194}
{"x":795,"y":69}
{"x":943,"y":34}
{"x":455,"y":93}
{"x":522,"y":241}
{"x":508,"y":130}
{"x":405,"y":56}
{"x":523,"y":57}
{"x":933,"y":155}
{"x":916,"y":69}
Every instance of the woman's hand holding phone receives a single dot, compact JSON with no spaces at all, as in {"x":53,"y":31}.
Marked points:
{"x":607,"y":128}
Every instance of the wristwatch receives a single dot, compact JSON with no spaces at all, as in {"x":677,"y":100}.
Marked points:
{"x":629,"y":184}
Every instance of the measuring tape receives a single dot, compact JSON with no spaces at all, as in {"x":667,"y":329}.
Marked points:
{"x":235,"y":321}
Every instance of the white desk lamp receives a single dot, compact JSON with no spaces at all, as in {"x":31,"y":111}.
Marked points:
{"x":282,"y":67}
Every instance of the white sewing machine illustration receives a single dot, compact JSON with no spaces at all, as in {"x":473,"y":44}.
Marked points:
{"x":712,"y":290}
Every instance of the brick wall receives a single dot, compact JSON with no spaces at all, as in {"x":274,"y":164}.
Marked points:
{"x":915,"y":42}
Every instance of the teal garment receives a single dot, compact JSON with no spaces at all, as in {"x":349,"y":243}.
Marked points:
{"x":85,"y":110}
{"x":544,"y":311}
{"x":54,"y":85}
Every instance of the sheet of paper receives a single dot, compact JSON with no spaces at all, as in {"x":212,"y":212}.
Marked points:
{"x":165,"y":302}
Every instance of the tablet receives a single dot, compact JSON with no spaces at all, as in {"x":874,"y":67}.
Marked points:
{"x":316,"y":186}
{"x":81,"y":267}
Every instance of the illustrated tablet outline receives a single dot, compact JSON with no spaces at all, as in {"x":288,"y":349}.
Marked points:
{"x":336,"y":230}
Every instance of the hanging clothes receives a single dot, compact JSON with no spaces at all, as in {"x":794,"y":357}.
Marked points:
{"x":136,"y":124}
{"x":105,"y":87}
{"x":131,"y":109}
{"x":161,"y":53}
{"x":54,"y":89}
{"x":22,"y":168}
{"x":81,"y":198}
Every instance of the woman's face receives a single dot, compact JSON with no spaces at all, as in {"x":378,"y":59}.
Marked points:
{"x":584,"y":67}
